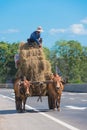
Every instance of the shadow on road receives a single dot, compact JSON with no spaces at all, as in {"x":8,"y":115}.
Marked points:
{"x":2,"y":112}
{"x":39,"y":110}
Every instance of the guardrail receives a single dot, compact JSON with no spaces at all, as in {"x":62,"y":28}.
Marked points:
{"x":6,"y":85}
{"x":68,"y":87}
{"x":76,"y":88}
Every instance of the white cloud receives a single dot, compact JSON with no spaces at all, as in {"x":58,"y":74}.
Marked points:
{"x":55,"y":31}
{"x":78,"y":29}
{"x":9,"y":31}
{"x":74,"y":29}
{"x":84,"y":21}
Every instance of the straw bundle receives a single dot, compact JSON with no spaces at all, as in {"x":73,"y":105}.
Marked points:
{"x":33,"y":63}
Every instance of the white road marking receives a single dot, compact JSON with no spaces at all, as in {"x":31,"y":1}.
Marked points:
{"x":82,"y":93}
{"x":71,"y":94}
{"x":76,"y":108}
{"x":12,"y":93}
{"x":76,"y":93}
{"x":72,"y":98}
{"x":84,"y":100}
{"x":7,"y":97}
{"x":70,"y":127}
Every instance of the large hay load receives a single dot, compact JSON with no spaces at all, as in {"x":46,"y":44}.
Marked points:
{"x":33,"y":65}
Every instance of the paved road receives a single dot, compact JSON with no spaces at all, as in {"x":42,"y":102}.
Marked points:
{"x":73,"y":114}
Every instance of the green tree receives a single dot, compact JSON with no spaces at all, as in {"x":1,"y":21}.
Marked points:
{"x":7,"y":67}
{"x":83,"y":65}
{"x":67,"y":55}
{"x":46,"y":52}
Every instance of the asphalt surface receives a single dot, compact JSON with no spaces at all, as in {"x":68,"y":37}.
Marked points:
{"x":73,"y":114}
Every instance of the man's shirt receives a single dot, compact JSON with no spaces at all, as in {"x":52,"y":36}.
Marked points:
{"x":35,"y":37}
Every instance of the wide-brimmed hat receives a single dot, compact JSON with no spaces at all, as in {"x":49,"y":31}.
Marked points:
{"x":39,"y":29}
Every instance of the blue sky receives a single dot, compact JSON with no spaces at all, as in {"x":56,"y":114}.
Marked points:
{"x":60,"y":19}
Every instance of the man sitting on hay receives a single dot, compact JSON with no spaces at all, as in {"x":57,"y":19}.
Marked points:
{"x":35,"y":38}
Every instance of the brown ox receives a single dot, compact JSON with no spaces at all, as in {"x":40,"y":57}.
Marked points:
{"x":21,"y":90}
{"x":55,"y":88}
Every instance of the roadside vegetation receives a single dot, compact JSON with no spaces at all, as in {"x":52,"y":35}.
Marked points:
{"x":68,"y":58}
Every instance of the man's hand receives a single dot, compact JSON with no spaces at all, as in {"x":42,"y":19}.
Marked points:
{"x":40,"y":45}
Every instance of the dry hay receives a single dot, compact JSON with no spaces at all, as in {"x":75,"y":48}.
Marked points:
{"x":33,"y":63}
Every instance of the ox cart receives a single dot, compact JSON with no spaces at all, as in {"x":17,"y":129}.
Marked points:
{"x":36,"y":68}
{"x":51,"y":88}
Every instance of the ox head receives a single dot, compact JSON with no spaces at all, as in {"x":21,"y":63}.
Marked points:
{"x":25,"y":86}
{"x":58,"y":82}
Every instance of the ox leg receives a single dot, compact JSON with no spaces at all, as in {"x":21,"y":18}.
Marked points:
{"x":54,"y":103}
{"x":24,"y":102}
{"x":18,"y":103}
{"x":58,"y":103}
{"x":50,"y":102}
